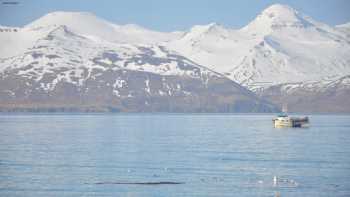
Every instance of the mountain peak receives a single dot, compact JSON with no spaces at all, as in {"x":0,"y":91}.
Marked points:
{"x":69,"y":19}
{"x":206,"y":29}
{"x":202,"y":31}
{"x":67,"y":13}
{"x":278,"y":9}
{"x":82,"y":23}
{"x":278,"y":16}
{"x":279,"y":13}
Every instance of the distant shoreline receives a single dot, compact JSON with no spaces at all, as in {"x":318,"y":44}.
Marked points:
{"x":162,"y":113}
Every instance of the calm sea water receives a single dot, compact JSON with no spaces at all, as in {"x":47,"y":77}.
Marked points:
{"x":211,"y":155}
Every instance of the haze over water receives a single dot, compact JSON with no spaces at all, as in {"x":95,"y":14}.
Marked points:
{"x":210,"y":155}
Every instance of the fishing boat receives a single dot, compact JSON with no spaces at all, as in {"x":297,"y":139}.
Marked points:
{"x":283,"y":120}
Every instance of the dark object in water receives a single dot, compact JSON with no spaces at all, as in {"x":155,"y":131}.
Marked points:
{"x":140,"y":183}
{"x":10,"y":3}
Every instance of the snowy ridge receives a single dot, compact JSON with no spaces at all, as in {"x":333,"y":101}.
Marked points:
{"x":345,"y":28}
{"x":88,"y":24}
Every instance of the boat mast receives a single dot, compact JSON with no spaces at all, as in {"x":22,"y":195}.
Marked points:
{"x":285,"y":108}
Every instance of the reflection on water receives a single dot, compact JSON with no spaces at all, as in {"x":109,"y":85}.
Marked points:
{"x":144,"y":154}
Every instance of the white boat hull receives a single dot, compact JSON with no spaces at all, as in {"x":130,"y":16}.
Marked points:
{"x":286,"y":121}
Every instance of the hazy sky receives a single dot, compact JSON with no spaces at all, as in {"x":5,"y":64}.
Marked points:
{"x":166,"y":15}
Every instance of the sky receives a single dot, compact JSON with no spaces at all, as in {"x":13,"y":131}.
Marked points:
{"x":171,"y":15}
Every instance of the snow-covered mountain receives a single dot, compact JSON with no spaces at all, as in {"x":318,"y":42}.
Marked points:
{"x":62,"y":70}
{"x":82,"y":23}
{"x":70,"y":59}
{"x":280,"y":46}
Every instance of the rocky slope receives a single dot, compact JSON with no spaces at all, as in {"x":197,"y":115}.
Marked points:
{"x":327,"y":96}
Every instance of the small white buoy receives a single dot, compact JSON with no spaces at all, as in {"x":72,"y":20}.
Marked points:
{"x":275,"y":181}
